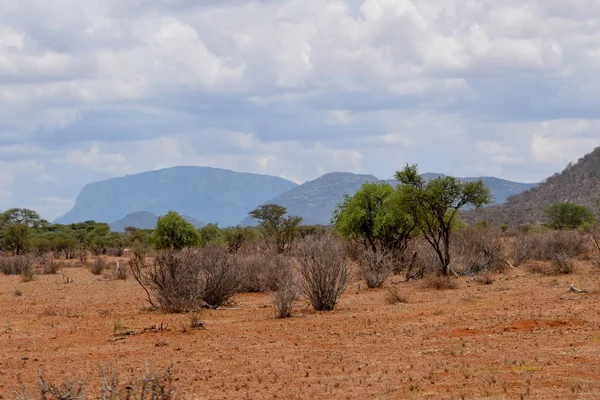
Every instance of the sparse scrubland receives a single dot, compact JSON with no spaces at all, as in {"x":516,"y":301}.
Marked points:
{"x":402,"y":301}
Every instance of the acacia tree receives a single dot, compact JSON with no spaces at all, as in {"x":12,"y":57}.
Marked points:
{"x":568,"y":215}
{"x":16,"y":225}
{"x":278,"y":230}
{"x":372,"y":217}
{"x":434,"y":205}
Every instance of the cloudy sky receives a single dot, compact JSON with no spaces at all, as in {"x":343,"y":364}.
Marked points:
{"x":92,"y":89}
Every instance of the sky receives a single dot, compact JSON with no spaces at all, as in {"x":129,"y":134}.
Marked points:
{"x":94,"y":89}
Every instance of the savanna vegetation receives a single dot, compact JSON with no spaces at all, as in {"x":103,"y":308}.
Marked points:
{"x":411,"y":232}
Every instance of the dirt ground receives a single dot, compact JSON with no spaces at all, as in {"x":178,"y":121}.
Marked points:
{"x":523,"y":336}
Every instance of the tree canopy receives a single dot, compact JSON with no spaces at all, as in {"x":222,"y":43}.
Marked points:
{"x":174,"y":232}
{"x":373,"y":217}
{"x":434,"y":206}
{"x":568,"y":215}
{"x":279,"y":231}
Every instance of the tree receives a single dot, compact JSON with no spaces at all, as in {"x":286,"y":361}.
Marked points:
{"x":174,"y":232}
{"x":22,"y":216}
{"x":16,"y":225}
{"x":434,"y":205}
{"x":85,"y":233}
{"x":16,"y":238}
{"x":568,"y":215}
{"x":278,"y":231}
{"x":372,"y":217}
{"x":210,"y":233}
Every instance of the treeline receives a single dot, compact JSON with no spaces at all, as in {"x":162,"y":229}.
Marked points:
{"x":22,"y":232}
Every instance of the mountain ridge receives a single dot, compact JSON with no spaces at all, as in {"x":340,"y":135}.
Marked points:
{"x":204,"y":193}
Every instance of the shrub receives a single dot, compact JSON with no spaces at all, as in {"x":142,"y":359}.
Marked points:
{"x":172,"y":283}
{"x":28,"y":275}
{"x":98,"y":266}
{"x":253,"y":270}
{"x":17,"y":265}
{"x":524,"y":249}
{"x":284,"y":290}
{"x":479,"y":250}
{"x":49,"y":265}
{"x":220,"y":279}
{"x":546,"y":246}
{"x":324,"y":271}
{"x":394,"y":296}
{"x":424,"y":260}
{"x":375,"y":267}
{"x":439,"y":283}
{"x":152,"y":386}
{"x":563,"y":264}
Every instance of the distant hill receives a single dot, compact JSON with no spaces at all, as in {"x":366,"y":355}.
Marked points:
{"x":205,"y":194}
{"x":144,"y":220}
{"x":316,"y":200}
{"x":579,"y":184}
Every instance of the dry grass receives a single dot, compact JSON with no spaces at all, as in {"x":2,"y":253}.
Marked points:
{"x":98,"y":266}
{"x":395,"y":296}
{"x":439,"y":283}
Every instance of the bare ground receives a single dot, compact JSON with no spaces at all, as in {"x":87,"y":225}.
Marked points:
{"x":524,"y":336}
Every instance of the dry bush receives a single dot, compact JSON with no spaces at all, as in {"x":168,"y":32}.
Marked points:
{"x":479,"y":250}
{"x":49,"y":265}
{"x":253,"y":271}
{"x":546,"y":246}
{"x":375,"y":267}
{"x":283,"y":287}
{"x":439,"y":282}
{"x":394,"y":296}
{"x":592,"y":235}
{"x":172,"y":283}
{"x":485,"y":279}
{"x":563,"y":264}
{"x":152,"y":386}
{"x":424,"y":260}
{"x":98,"y":266}
{"x":219,"y":277}
{"x":524,"y":250}
{"x":17,"y":265}
{"x":187,"y":280}
{"x":324,"y":271}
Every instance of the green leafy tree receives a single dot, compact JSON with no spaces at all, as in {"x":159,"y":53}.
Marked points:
{"x":374,"y":218}
{"x":16,"y":229}
{"x":568,"y":215}
{"x":210,"y":234}
{"x":86,"y":233}
{"x":278,"y":230}
{"x":174,"y":232}
{"x":434,"y":206}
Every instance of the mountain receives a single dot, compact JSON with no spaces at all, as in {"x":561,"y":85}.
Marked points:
{"x":205,"y":194}
{"x":144,"y":220}
{"x":316,"y":200}
{"x":579,"y":183}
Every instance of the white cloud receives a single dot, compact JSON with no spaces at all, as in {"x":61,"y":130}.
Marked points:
{"x":294,"y":88}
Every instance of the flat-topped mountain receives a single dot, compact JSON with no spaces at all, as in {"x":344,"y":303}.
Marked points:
{"x":205,"y":194}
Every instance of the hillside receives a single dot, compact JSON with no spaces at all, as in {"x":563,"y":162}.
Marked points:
{"x":579,"y":184}
{"x":316,"y":200}
{"x":144,"y":220}
{"x":205,"y":194}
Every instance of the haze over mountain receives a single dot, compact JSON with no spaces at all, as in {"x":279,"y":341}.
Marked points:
{"x":579,"y":183}
{"x":316,"y":200}
{"x":144,"y":220}
{"x":205,"y":194}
